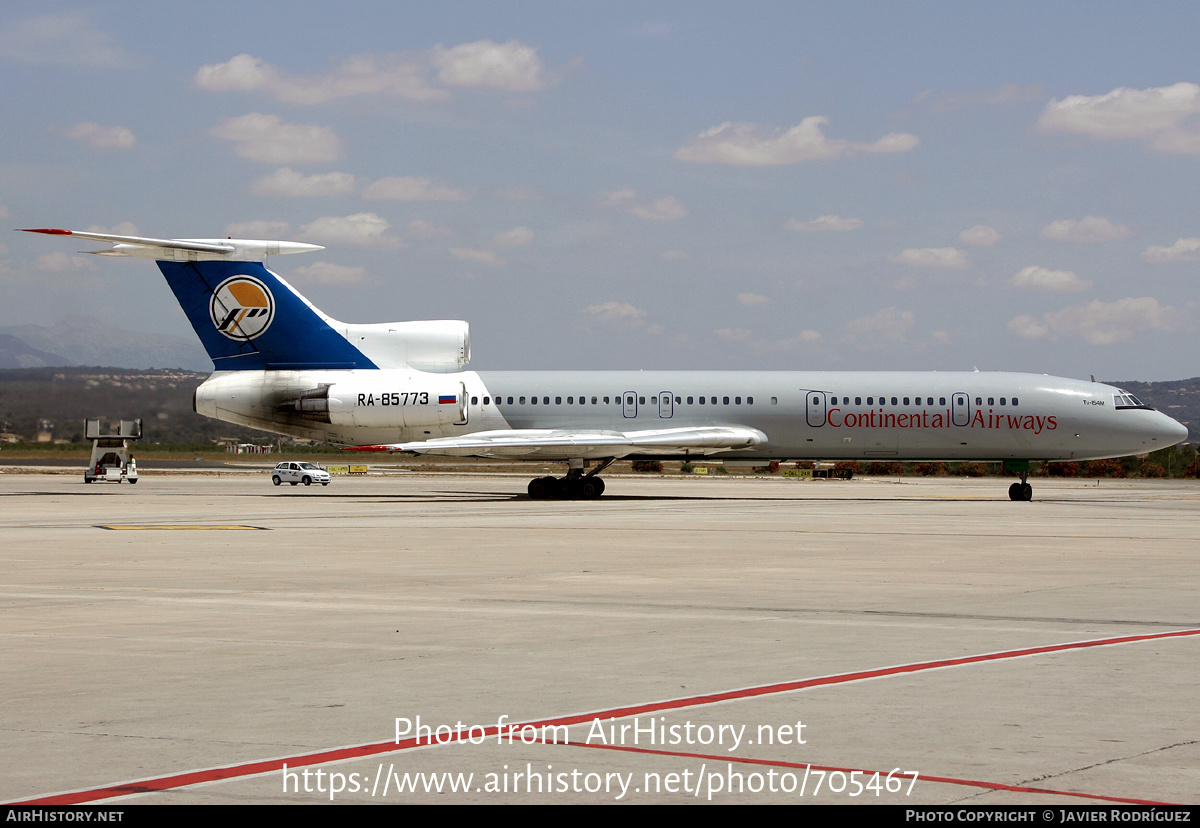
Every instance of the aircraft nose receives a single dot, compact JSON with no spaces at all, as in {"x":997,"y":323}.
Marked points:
{"x":1170,"y":432}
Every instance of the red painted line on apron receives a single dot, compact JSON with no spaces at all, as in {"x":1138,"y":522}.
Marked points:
{"x":180,"y":780}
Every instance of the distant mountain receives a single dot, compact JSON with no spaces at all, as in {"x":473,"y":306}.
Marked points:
{"x":15,"y":353}
{"x":86,"y":340}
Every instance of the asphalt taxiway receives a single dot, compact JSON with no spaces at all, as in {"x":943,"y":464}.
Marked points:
{"x":689,"y":639}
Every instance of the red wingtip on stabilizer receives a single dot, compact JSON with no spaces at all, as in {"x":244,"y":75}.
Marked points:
{"x":50,"y":231}
{"x":364,"y":448}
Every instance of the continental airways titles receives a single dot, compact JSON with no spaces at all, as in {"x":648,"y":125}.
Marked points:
{"x":879,"y":418}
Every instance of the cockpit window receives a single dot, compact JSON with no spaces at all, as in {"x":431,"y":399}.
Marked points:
{"x":1124,"y":400}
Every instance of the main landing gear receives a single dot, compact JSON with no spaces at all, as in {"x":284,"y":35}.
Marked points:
{"x":1022,"y":490}
{"x":575,"y":486}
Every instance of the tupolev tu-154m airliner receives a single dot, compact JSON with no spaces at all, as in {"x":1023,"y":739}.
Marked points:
{"x":284,"y":366}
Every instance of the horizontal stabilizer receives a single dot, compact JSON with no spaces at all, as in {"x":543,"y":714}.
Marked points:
{"x":186,"y":250}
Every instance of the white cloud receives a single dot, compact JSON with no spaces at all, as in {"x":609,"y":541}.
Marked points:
{"x":60,"y":262}
{"x":101,"y":137}
{"x":836,"y":224}
{"x":746,"y":144}
{"x":752,"y":299}
{"x":887,"y":326}
{"x":620,"y":313}
{"x":487,"y":257}
{"x":1184,"y":250}
{"x":406,"y":188}
{"x":258,"y":230}
{"x":125,"y":228}
{"x":1163,"y":116}
{"x":1177,"y":142}
{"x":517,"y":237}
{"x":1102,"y":323}
{"x":1089,"y":229}
{"x":360,"y":228}
{"x":287,"y":182}
{"x":759,"y":345}
{"x":979,"y":236}
{"x":509,"y":67}
{"x":733,"y":334}
{"x":67,"y":38}
{"x":620,"y":198}
{"x":327,"y":273}
{"x":933,"y":258}
{"x":663,"y":209}
{"x":673,"y":255}
{"x":396,"y":75}
{"x":1041,"y":278}
{"x":268,"y":139}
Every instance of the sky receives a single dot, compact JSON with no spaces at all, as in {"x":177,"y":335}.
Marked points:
{"x":762,"y":185}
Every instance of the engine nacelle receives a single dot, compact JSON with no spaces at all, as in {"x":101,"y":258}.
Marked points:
{"x":439,"y":346}
{"x":389,"y":399}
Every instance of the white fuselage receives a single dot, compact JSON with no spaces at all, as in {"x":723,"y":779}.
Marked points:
{"x":803,"y":415}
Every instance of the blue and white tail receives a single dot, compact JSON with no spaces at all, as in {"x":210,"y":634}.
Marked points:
{"x":250,"y":319}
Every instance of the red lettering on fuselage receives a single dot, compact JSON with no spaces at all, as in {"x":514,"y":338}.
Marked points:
{"x":879,"y":418}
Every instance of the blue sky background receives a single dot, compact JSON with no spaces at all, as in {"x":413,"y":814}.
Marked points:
{"x":617,"y":185}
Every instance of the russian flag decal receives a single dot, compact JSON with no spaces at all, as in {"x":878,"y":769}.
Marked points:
{"x":447,"y":399}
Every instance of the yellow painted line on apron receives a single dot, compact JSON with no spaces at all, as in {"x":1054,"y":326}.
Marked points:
{"x":193,"y":527}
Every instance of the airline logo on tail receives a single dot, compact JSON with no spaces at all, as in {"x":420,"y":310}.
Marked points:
{"x":242,"y":308}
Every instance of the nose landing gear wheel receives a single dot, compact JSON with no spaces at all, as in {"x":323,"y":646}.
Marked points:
{"x":1020,"y":492}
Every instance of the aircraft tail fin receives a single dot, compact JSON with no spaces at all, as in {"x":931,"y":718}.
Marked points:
{"x":247,"y":317}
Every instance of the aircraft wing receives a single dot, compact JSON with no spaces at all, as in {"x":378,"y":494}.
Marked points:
{"x":588,"y":444}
